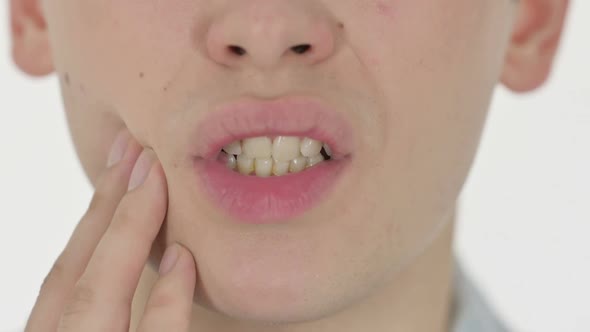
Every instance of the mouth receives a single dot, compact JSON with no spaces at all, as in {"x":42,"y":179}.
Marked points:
{"x":271,"y":161}
{"x":265,"y":156}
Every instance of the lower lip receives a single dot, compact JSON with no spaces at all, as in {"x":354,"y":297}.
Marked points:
{"x":257,"y":200}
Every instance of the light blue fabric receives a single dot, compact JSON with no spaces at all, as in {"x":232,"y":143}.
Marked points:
{"x":472,"y":312}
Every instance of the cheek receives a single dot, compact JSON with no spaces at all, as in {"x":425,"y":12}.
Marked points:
{"x":435,"y":64}
{"x":112,"y":50}
{"x":114,"y":68}
{"x":109,"y":43}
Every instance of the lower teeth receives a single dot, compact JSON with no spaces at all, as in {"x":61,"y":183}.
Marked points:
{"x":270,"y":167}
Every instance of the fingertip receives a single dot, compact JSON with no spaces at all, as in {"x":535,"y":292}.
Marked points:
{"x":141,"y":170}
{"x":169,"y":305}
{"x":169,"y":260}
{"x":155,"y":175}
{"x":176,"y":257}
{"x":186,"y":261}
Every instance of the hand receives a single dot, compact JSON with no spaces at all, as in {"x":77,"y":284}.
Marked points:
{"x":91,"y":285}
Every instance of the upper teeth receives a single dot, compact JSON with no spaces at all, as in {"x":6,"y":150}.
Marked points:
{"x":278,"y":156}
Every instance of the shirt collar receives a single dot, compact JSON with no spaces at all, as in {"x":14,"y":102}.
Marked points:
{"x":470,"y":310}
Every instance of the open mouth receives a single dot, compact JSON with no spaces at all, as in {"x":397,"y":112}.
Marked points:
{"x":268,"y":179}
{"x":268,"y":199}
{"x":273,"y":156}
{"x":271,"y":161}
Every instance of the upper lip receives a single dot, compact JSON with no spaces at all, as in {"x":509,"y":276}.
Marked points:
{"x":302,"y":116}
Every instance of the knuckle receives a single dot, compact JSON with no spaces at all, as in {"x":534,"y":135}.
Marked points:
{"x":95,"y":203}
{"x":55,"y":276}
{"x":124,"y":217}
{"x":128,"y":216}
{"x":126,"y":210}
{"x":81,"y":300}
{"x":161,"y":299}
{"x":163,"y":302}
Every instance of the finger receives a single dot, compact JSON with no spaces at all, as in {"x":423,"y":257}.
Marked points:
{"x":169,"y":306}
{"x":101,"y":300}
{"x":69,"y":266}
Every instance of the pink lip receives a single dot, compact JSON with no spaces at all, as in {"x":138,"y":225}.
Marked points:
{"x":290,"y":116}
{"x":252,"y":199}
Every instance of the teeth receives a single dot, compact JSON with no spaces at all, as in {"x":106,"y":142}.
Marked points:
{"x":280,"y":167}
{"x":310,"y":147}
{"x":233,"y":148}
{"x":327,"y":149}
{"x":232,"y":162}
{"x":298,"y":164}
{"x":264,"y":156}
{"x":257,"y":147}
{"x":245,"y":164}
{"x":314,"y":160}
{"x":263,"y":167}
{"x":285,"y":148}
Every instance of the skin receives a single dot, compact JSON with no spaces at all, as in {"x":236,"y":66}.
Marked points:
{"x":415,"y":78}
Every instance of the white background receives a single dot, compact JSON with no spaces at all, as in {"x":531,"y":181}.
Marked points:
{"x":524,"y":228}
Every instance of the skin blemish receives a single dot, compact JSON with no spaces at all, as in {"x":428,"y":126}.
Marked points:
{"x":166,"y":86}
{"x":384,"y":9}
{"x":141,"y":75}
{"x":67,"y":78}
{"x":373,"y":61}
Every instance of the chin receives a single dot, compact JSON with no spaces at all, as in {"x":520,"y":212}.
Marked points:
{"x":262,"y":296}
{"x":261,"y":311}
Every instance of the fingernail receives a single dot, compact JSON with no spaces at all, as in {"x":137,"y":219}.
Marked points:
{"x":140,"y":170}
{"x":169,"y":259}
{"x":118,"y":148}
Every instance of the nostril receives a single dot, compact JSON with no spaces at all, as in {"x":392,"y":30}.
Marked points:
{"x":236,"y":50}
{"x":300,"y":49}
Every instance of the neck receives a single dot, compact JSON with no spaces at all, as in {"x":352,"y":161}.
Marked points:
{"x":419,"y":299}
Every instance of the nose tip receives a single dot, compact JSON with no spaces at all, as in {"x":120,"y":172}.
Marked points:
{"x":266,"y":33}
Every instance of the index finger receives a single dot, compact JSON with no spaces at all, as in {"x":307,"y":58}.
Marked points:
{"x":71,"y":263}
{"x":103,"y":295}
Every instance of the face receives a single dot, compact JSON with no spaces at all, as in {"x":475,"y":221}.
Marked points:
{"x":413,"y":79}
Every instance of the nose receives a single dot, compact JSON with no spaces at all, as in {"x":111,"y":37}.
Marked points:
{"x":266,"y":33}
